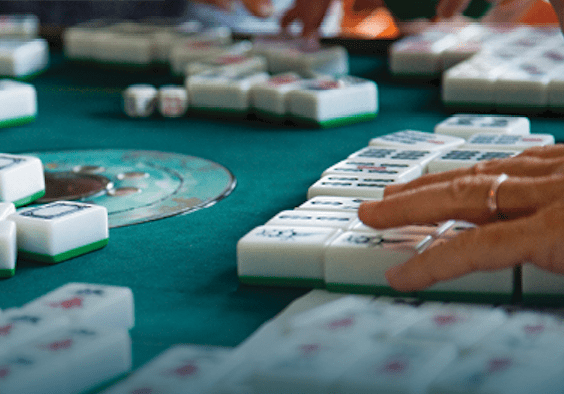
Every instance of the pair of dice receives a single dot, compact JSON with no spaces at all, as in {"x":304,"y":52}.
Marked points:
{"x":141,"y":100}
{"x":47,"y":233}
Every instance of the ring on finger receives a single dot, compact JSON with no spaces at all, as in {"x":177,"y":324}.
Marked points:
{"x":491,"y":200}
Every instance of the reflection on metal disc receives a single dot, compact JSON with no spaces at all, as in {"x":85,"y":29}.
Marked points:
{"x":136,"y":186}
{"x":66,"y":185}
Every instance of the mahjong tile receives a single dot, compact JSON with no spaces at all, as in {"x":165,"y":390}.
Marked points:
{"x":463,"y":325}
{"x":333,"y":203}
{"x":18,"y":103}
{"x":301,"y":218}
{"x":19,"y":26}
{"x":330,"y":103}
{"x":366,"y":167}
{"x":283,"y":255}
{"x":523,"y":85}
{"x":222,"y":92}
{"x":192,"y":49}
{"x":397,"y":367}
{"x":23,"y":58}
{"x":21,"y":179}
{"x":434,"y":230}
{"x":8,"y":248}
{"x":357,"y":261}
{"x":269,"y":97}
{"x":388,"y":156}
{"x":462,"y":158}
{"x":490,"y":141}
{"x":61,"y":230}
{"x":92,"y":304}
{"x":541,"y":286}
{"x":457,"y":228}
{"x":229,"y":64}
{"x":413,"y":139}
{"x":465,"y":125}
{"x":556,"y":90}
{"x":371,"y":187}
{"x":120,"y":47}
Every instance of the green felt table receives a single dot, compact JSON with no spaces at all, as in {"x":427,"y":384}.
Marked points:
{"x":182,"y":269}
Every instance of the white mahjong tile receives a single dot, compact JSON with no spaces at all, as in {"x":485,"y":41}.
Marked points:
{"x":397,"y":367}
{"x":18,"y":326}
{"x":78,"y":42}
{"x":21,"y":58}
{"x":216,"y":91}
{"x":6,"y":209}
{"x":8,"y":248}
{"x":462,"y":324}
{"x":230,"y":64}
{"x":333,"y":203}
{"x":367,"y":167}
{"x":371,"y":187}
{"x":119,"y":47}
{"x":269,"y":97}
{"x":433,"y":229}
{"x":18,"y":102}
{"x":352,"y":318}
{"x":469,"y":45}
{"x":462,"y":158}
{"x":181,"y":369}
{"x":86,"y":357}
{"x":491,"y":141}
{"x":301,"y":218}
{"x":21,"y":179}
{"x":19,"y":25}
{"x":502,"y":372}
{"x":389,"y":156}
{"x":360,"y":259}
{"x":420,"y":54}
{"x":60,"y":230}
{"x":466,"y":125}
{"x":92,"y":304}
{"x":413,"y":139}
{"x":193,"y":49}
{"x":529,"y":331}
{"x":283,"y":254}
{"x":539,"y":285}
{"x":472,"y":82}
{"x":523,"y":84}
{"x":306,"y":363}
{"x":333,"y":102}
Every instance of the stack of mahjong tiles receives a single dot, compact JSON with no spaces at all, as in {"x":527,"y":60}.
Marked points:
{"x":320,"y":102}
{"x":48,"y":233}
{"x":322,"y":243}
{"x":19,"y":26}
{"x":189,"y":48}
{"x":67,"y":341}
{"x":357,"y":344}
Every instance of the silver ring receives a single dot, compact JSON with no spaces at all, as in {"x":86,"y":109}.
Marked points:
{"x":492,"y":194}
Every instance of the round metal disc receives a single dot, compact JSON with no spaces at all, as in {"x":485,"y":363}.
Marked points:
{"x":135,"y":186}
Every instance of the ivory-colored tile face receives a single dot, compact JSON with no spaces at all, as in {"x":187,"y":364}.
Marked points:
{"x":60,"y":230}
{"x":21,"y":179}
{"x":96,"y":305}
{"x":333,"y":203}
{"x":389,"y":156}
{"x":461,"y":158}
{"x":23,"y":57}
{"x":283,"y":252}
{"x":491,"y":141}
{"x":466,"y":125}
{"x":8,"y":248}
{"x":270,"y":96}
{"x":300,"y":218}
{"x":413,"y":139}
{"x":366,"y":167}
{"x":371,"y":187}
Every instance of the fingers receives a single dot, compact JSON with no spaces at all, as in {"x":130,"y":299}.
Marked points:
{"x":449,"y":8}
{"x":367,"y":5}
{"x":260,"y":8}
{"x":520,"y":166}
{"x":545,"y":152}
{"x":463,"y":198}
{"x":536,"y":239}
{"x":310,"y":13}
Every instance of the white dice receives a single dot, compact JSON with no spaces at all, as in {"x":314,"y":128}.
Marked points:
{"x":140,"y":100}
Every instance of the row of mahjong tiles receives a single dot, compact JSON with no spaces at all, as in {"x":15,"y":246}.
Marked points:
{"x":522,"y":68}
{"x":324,"y":102}
{"x":182,"y":44}
{"x":76,"y":338}
{"x":322,"y":243}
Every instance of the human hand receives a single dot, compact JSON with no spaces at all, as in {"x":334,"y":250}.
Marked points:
{"x":259,"y":8}
{"x":531,"y":202}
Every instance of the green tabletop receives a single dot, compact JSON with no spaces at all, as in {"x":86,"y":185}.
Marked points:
{"x":182,"y":269}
